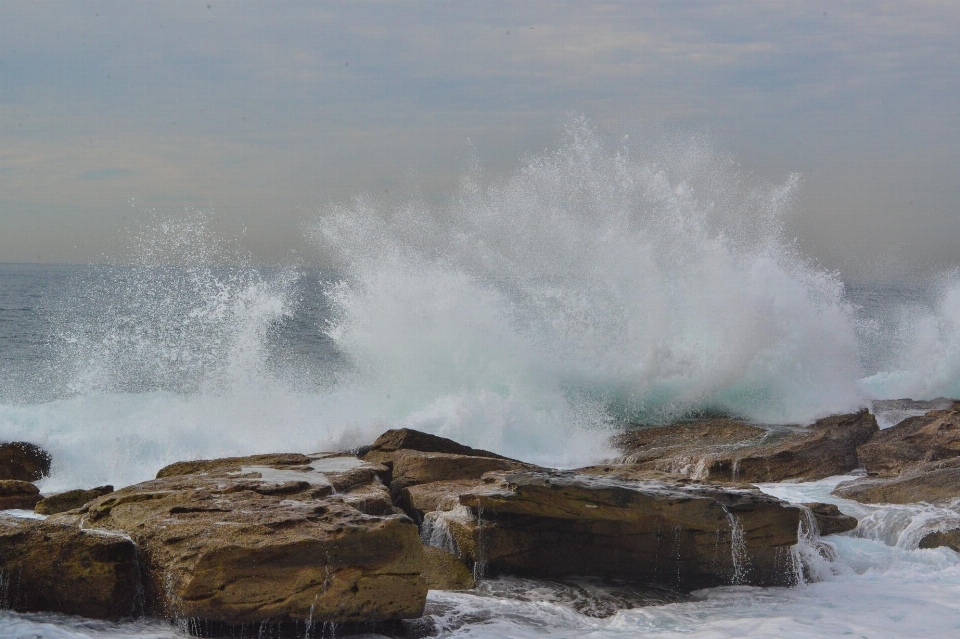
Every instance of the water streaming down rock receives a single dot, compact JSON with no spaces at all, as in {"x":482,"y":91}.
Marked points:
{"x":738,"y":550}
{"x":812,"y":557}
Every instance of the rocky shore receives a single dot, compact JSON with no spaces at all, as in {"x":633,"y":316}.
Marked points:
{"x":356,"y":539}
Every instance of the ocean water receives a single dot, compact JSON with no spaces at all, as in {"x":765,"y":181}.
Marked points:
{"x":532,"y":314}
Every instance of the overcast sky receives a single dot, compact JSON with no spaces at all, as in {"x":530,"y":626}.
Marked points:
{"x":263,"y":111}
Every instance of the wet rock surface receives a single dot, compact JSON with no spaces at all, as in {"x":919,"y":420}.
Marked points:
{"x":555,"y":524}
{"x":829,"y":519}
{"x":289,"y":540}
{"x":731,"y":451}
{"x":409,"y":439}
{"x":23,"y":461}
{"x":930,"y":482}
{"x":62,"y":502}
{"x":50,"y":566}
{"x":411,"y":468}
{"x":931,"y":437}
{"x":284,"y":539}
{"x":18,"y":494}
{"x":944,"y":539}
{"x":444,"y":571}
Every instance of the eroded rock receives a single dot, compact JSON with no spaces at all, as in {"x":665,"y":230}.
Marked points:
{"x":411,"y":467}
{"x":18,"y":494}
{"x":931,"y":437}
{"x":276,"y":539}
{"x":830,"y":521}
{"x":69,"y":500}
{"x":731,"y":451}
{"x":556,"y":524}
{"x":930,"y":482}
{"x":944,"y":539}
{"x":409,"y":439}
{"x":55,"y":567}
{"x":444,"y":571}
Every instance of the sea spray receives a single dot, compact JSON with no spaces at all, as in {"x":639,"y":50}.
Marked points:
{"x":530,"y":314}
{"x":924,"y":361}
{"x":594,"y":285}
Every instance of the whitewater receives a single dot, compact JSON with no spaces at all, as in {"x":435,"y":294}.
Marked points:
{"x":534,"y":314}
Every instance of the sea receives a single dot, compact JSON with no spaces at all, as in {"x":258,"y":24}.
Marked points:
{"x":535,"y":314}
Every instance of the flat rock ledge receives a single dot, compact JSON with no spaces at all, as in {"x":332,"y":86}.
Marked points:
{"x":545,"y":523}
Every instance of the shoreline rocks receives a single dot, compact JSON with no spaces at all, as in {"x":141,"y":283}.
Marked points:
{"x":915,"y":461}
{"x":287,"y":540}
{"x":16,"y":494}
{"x":282,"y":539}
{"x":829,"y":519}
{"x":562,"y":523}
{"x":931,"y":437}
{"x":62,"y":502}
{"x":50,"y":566}
{"x":727,"y":450}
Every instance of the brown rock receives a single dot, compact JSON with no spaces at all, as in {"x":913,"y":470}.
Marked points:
{"x":247,"y":542}
{"x":23,"y":461}
{"x":411,"y":467}
{"x":234,"y":464}
{"x":727,"y":450}
{"x":926,"y":438}
{"x":931,"y":482}
{"x":947,"y":538}
{"x":69,"y":500}
{"x":830,"y":521}
{"x":443,"y":571}
{"x":556,"y":524}
{"x":59,"y":568}
{"x":18,"y":494}
{"x":439,"y":495}
{"x":409,"y":439}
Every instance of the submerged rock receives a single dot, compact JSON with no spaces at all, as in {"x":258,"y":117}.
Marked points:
{"x":18,"y":494}
{"x":930,"y":437}
{"x":55,"y":567}
{"x":23,"y":461}
{"x":556,"y":524}
{"x":69,"y":500}
{"x":277,"y":539}
{"x":728,"y":450}
{"x":830,"y":521}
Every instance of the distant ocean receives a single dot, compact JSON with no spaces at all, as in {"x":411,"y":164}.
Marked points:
{"x":532,"y":315}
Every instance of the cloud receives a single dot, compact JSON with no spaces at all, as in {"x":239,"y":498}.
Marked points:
{"x":110,"y":173}
{"x":263,"y":112}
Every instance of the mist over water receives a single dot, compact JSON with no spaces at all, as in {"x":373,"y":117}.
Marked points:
{"x":642,"y":280}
